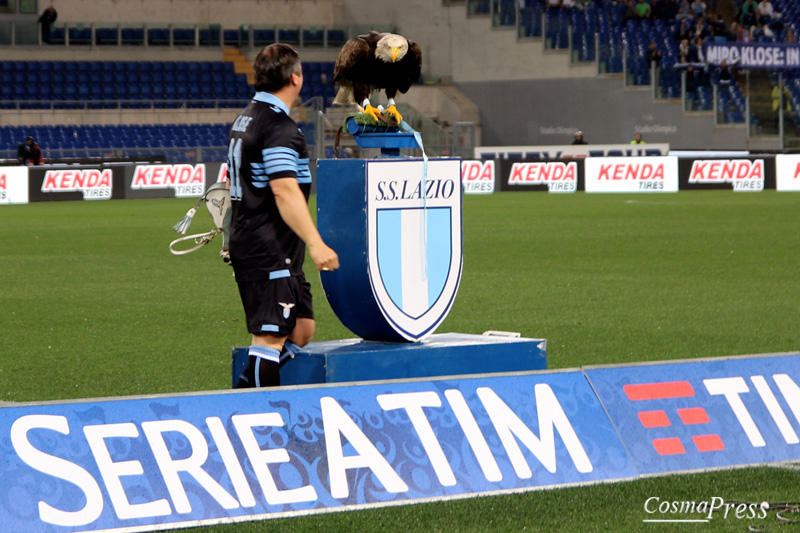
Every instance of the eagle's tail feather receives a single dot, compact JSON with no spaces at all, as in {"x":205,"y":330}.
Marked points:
{"x":344,"y":96}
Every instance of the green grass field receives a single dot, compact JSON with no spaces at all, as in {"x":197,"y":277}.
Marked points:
{"x":92,"y":304}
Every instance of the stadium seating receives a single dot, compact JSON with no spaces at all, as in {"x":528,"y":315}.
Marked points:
{"x":610,"y":27}
{"x":557,"y":29}
{"x":138,"y":84}
{"x":178,"y":142}
{"x":530,"y":18}
{"x":478,"y":7}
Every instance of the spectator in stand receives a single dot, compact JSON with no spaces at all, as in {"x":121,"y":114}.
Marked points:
{"x":698,"y":55}
{"x":739,"y":33}
{"x":638,"y":139}
{"x":684,"y":52}
{"x":579,"y":138}
{"x":553,"y":4}
{"x":691,"y":86}
{"x":747,"y":13}
{"x":698,"y":8}
{"x":630,"y":10}
{"x":671,"y":9}
{"x":717,"y":26}
{"x":701,"y":29}
{"x":765,"y":12}
{"x":684,"y":31}
{"x":29,"y":153}
{"x":684,"y":11}
{"x":725,"y":74}
{"x":776,"y":100}
{"x":789,"y":37}
{"x":761,"y":31}
{"x":653,"y":55}
{"x":642,"y":9}
{"x":47,"y":19}
{"x":660,"y":10}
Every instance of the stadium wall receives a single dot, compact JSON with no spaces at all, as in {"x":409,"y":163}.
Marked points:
{"x":547,"y":112}
{"x":228,"y":13}
{"x":119,"y":117}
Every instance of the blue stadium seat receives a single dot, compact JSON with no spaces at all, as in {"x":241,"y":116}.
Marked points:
{"x":80,"y":36}
{"x":183,"y":36}
{"x":158,"y":36}
{"x":263,"y":37}
{"x":336,"y":37}
{"x":133,"y":36}
{"x":106,"y":36}
{"x":313,"y":37}
{"x":210,"y":36}
{"x":58,"y":36}
{"x":289,"y":36}
{"x":233,"y":38}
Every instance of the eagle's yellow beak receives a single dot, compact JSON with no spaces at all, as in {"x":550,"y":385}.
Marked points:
{"x":395,"y":53}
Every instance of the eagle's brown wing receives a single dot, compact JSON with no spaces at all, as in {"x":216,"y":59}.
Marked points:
{"x":353,"y":54}
{"x":414,"y":60}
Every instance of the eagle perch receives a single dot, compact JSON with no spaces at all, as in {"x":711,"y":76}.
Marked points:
{"x":376,"y":61}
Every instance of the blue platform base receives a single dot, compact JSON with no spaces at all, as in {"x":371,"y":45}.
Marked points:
{"x":389,"y":139}
{"x":445,"y":354}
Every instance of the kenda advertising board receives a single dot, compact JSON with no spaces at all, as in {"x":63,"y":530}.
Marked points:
{"x":787,"y":172}
{"x":478,"y":177}
{"x":167,"y":180}
{"x":704,"y":414}
{"x":631,"y":174}
{"x":56,"y":183}
{"x":154,"y":463}
{"x":561,"y":176}
{"x":13,"y":185}
{"x":751,"y":174}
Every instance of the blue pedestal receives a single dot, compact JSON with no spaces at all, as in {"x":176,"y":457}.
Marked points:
{"x":444,"y":354}
{"x":376,"y":217}
{"x":389,"y":139}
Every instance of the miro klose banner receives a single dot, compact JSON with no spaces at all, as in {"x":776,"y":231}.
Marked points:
{"x":164,"y":462}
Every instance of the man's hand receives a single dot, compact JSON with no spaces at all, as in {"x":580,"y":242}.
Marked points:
{"x":323,"y":256}
{"x":294,"y":211}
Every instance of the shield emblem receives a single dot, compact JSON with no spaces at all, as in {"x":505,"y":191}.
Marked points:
{"x":414,"y":241}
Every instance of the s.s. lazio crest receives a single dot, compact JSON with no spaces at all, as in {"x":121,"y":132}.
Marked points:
{"x":414,"y":241}
{"x":396,"y":225}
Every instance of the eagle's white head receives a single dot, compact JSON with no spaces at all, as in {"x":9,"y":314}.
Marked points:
{"x":391,"y":47}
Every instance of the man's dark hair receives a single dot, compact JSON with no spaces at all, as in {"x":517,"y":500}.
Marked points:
{"x":274,"y":67}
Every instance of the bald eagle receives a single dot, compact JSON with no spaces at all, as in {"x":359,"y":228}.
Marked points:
{"x":376,"y":61}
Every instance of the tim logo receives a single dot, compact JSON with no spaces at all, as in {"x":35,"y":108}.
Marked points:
{"x":659,"y":418}
{"x":414,"y":242}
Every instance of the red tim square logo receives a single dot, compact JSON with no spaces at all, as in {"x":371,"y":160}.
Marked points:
{"x":659,"y":418}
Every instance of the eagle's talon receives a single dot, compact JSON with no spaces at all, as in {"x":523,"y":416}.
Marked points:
{"x":372,"y":111}
{"x":394,"y":114}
